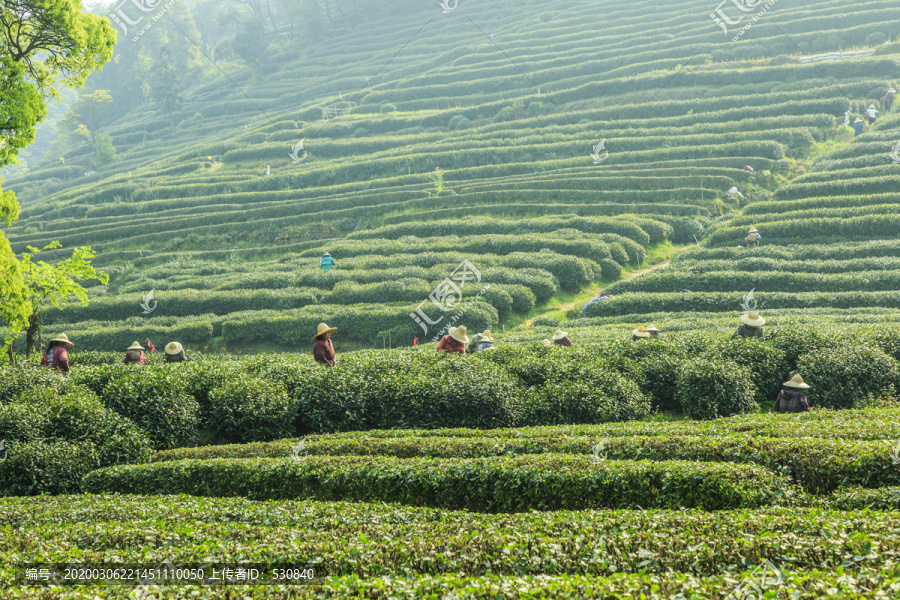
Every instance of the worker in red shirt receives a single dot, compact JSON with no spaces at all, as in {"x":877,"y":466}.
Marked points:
{"x":56,"y":355}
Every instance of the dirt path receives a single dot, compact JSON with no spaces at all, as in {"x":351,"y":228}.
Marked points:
{"x":597,"y":292}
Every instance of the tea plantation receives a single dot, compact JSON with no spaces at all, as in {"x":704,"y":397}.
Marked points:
{"x":502,"y":166}
{"x":214,"y":217}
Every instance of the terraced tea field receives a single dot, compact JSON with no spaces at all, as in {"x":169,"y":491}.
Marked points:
{"x":217,"y":219}
{"x":480,"y":164}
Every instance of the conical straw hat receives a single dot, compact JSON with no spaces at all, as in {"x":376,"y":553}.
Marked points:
{"x":796,"y":382}
{"x":173,"y":348}
{"x":323,"y":328}
{"x":459,"y":334}
{"x":753,"y":319}
{"x":558,"y":335}
{"x":64,"y":339}
{"x":641,"y":332}
{"x":136,"y":346}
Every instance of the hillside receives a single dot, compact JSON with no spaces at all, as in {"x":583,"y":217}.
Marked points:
{"x":510,"y":101}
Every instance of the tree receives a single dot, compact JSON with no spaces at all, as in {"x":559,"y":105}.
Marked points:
{"x":13,"y":298}
{"x":251,"y":41}
{"x":21,"y":109}
{"x":93,"y":111}
{"x":54,"y":284}
{"x":54,"y":41}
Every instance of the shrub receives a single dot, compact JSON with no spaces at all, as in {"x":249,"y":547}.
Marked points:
{"x":14,"y":380}
{"x":459,"y":122}
{"x":610,"y":269}
{"x":44,"y":414}
{"x":659,"y":377}
{"x":251,"y":410}
{"x":38,"y":467}
{"x":840,"y":375}
{"x":584,"y":391}
{"x":767,"y":365}
{"x":711,"y":389}
{"x":545,"y":322}
{"x":504,"y":484}
{"x":157,"y":401}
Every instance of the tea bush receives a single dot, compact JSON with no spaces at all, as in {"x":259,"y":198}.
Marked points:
{"x":251,"y":410}
{"x":708,"y":389}
{"x":41,"y":467}
{"x":157,"y":401}
{"x":840,"y":375}
{"x":77,"y":415}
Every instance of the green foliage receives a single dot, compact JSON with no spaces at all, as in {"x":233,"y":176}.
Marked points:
{"x":840,"y":375}
{"x":251,"y":410}
{"x":708,"y":389}
{"x":75,"y":414}
{"x":38,"y":467}
{"x":156,"y":400}
{"x":507,"y":484}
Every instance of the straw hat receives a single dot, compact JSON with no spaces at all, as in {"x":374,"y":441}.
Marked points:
{"x":64,"y":339}
{"x":547,"y":342}
{"x":641,"y":332}
{"x":485,"y":336}
{"x":173,"y":348}
{"x":796,"y":382}
{"x":558,"y":335}
{"x":323,"y":329}
{"x":136,"y":346}
{"x":892,"y":91}
{"x":652,"y":328}
{"x":326,"y":254}
{"x":459,"y":334}
{"x":753,"y":319}
{"x":871,"y":106}
{"x":754,"y":230}
{"x":858,"y":120}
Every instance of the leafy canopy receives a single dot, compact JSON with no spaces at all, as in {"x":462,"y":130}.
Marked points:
{"x":54,"y":284}
{"x":54,"y":41}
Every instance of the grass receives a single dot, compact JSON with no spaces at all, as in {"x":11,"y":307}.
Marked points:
{"x":562,"y":304}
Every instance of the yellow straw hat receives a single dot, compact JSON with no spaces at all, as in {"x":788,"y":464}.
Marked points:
{"x":547,"y":342}
{"x":558,"y":335}
{"x":641,"y":332}
{"x":753,"y":230}
{"x":136,"y":346}
{"x":652,"y":328}
{"x":173,"y":348}
{"x":459,"y":334}
{"x":486,"y":336}
{"x":64,"y":339}
{"x":323,"y":329}
{"x":753,"y":319}
{"x":796,"y":382}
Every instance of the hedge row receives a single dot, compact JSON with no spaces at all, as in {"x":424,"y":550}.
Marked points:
{"x":436,"y":541}
{"x":818,"y":465}
{"x":510,"y":484}
{"x":675,"y":280}
{"x":496,"y":226}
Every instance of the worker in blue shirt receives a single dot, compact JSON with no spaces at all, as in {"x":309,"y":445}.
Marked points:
{"x":327,"y":262}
